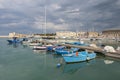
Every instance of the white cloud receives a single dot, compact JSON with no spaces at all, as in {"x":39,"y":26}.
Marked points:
{"x":55,"y":6}
{"x":6,"y":16}
{"x":57,"y":27}
{"x":19,"y":5}
{"x":61,"y":20}
{"x":50,"y":26}
{"x":14,"y":24}
{"x":73,"y":11}
{"x":1,"y":6}
{"x":118,"y":3}
{"x":15,"y":13}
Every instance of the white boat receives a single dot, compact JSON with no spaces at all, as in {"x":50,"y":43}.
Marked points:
{"x":39,"y":48}
{"x":35,"y":44}
{"x":43,"y":47}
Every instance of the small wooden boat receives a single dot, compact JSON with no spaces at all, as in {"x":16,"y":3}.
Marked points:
{"x":90,"y":55}
{"x":49,"y":47}
{"x":63,"y":51}
{"x":81,"y":43}
{"x":79,"y":56}
{"x":14,"y":40}
{"x":35,"y":44}
{"x":43,"y":47}
{"x":39,"y":48}
{"x":59,"y":48}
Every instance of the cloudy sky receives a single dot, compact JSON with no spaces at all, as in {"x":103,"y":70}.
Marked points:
{"x":28,"y":16}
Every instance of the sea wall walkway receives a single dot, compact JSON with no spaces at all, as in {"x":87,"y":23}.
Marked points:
{"x":97,"y":50}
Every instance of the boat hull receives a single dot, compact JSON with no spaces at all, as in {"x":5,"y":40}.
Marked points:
{"x":39,"y":48}
{"x":81,"y":56}
{"x":61,"y":52}
{"x":14,"y":41}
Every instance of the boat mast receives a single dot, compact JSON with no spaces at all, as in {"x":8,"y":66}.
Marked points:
{"x":45,"y":20}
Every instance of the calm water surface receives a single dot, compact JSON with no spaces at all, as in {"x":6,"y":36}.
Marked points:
{"x":22,"y":63}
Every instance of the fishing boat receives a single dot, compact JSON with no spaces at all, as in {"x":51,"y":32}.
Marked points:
{"x":35,"y":44}
{"x":91,"y":55}
{"x":63,"y":51}
{"x":39,"y":48}
{"x":49,"y":47}
{"x":59,"y":48}
{"x":81,"y":43}
{"x":43,"y":47}
{"x":14,"y":40}
{"x":79,"y":56}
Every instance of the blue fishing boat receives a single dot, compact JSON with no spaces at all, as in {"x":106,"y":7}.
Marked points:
{"x":14,"y":40}
{"x":50,"y":47}
{"x":79,"y":56}
{"x":74,"y":50}
{"x":63,"y":51}
{"x":81,"y":43}
{"x":90,"y":55}
{"x":59,"y":48}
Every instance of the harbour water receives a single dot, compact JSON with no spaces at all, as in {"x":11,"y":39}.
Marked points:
{"x":18,"y":62}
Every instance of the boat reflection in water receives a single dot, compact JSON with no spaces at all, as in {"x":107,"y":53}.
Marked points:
{"x":72,"y":68}
{"x":15,"y":45}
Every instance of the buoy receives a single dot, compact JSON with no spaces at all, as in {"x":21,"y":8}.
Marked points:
{"x":58,"y":65}
{"x":88,"y":58}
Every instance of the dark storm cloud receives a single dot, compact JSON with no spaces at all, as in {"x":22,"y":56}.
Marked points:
{"x":82,"y":15}
{"x":110,"y":12}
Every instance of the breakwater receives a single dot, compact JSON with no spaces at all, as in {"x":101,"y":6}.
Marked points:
{"x":97,"y":50}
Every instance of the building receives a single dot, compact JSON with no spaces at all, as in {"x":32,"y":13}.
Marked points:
{"x":66,"y":34}
{"x":81,"y":34}
{"x":92,"y":34}
{"x":113,"y":34}
{"x":13,"y":34}
{"x":70,"y":34}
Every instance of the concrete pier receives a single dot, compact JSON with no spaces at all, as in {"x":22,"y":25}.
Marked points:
{"x":4,"y":36}
{"x":97,"y":50}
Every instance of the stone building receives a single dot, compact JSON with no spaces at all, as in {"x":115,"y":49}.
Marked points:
{"x":81,"y":34}
{"x":70,"y":34}
{"x":113,"y":34}
{"x":66,"y":34}
{"x":13,"y":34}
{"x":92,"y":34}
